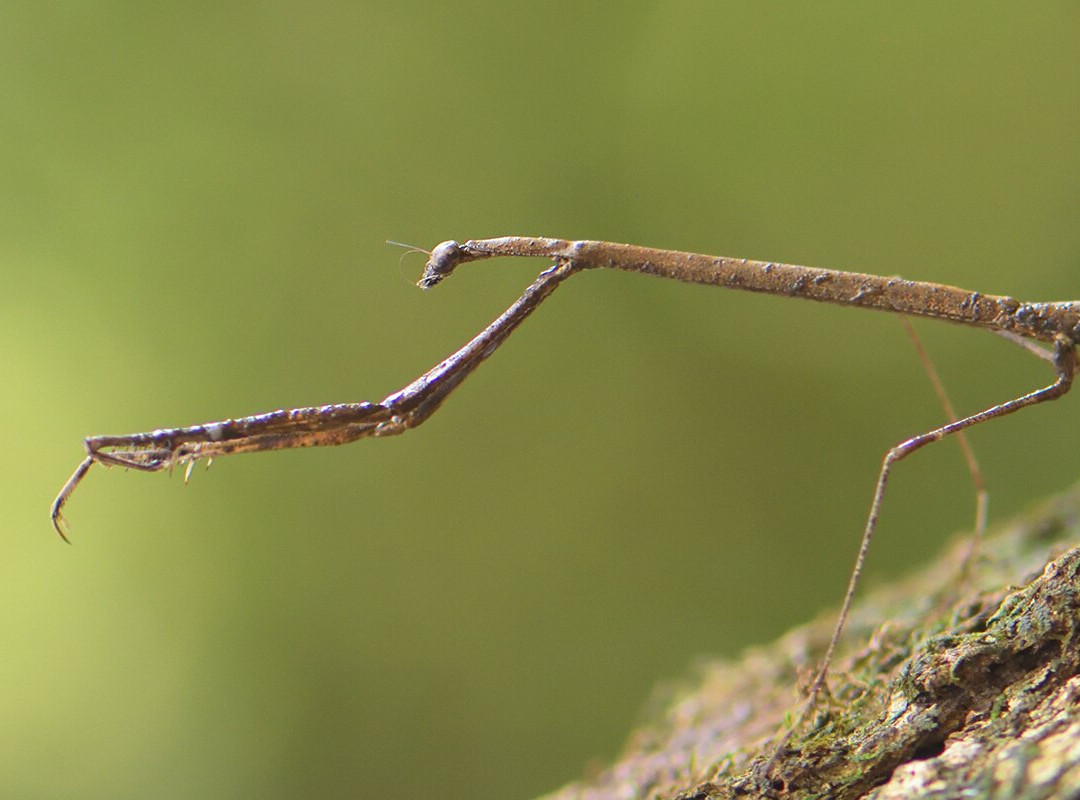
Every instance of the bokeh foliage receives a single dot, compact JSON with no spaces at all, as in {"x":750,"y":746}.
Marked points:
{"x":194,"y":204}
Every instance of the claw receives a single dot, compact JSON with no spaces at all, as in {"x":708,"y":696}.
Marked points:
{"x":60,"y":523}
{"x":58,"y":520}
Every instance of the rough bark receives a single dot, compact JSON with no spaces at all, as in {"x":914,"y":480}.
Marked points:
{"x":942,"y":689}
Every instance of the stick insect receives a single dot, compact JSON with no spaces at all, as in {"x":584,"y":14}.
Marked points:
{"x":1055,"y":323}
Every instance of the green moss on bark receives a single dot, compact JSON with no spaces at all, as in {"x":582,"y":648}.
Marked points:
{"x":940,"y":689}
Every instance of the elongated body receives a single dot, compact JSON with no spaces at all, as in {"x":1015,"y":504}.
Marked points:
{"x":343,"y":423}
{"x":1057,"y":323}
{"x":1041,"y":321}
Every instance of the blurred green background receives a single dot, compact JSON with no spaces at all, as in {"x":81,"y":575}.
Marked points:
{"x":195,"y":199}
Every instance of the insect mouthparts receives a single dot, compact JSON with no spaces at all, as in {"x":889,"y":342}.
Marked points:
{"x":444,"y":258}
